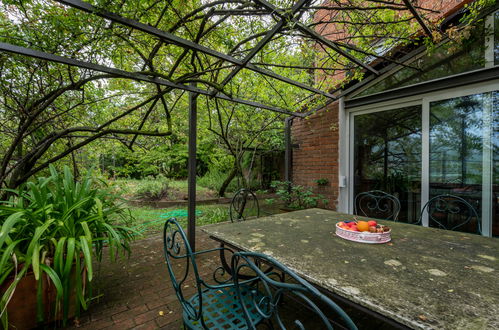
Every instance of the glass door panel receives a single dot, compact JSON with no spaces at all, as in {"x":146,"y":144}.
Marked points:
{"x":387,"y":157}
{"x":460,"y":154}
{"x":495,"y":160}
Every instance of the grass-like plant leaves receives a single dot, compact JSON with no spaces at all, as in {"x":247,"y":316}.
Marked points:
{"x":55,"y":227}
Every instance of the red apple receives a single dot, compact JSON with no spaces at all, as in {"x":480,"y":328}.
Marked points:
{"x":372,"y":223}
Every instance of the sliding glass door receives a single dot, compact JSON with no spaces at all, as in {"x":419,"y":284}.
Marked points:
{"x":448,"y":144}
{"x":387,"y":156}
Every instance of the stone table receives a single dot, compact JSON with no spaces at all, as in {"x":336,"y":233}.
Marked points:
{"x":425,"y":278}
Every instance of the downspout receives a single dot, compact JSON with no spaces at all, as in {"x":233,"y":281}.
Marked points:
{"x":344,"y":181}
{"x":288,"y":165}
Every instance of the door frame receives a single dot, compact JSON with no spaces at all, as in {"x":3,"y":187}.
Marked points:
{"x":424,"y":100}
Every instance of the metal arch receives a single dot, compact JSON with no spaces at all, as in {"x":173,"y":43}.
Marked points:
{"x":315,"y":35}
{"x":171,"y":38}
{"x":418,"y":17}
{"x":449,"y":205}
{"x":297,"y":6}
{"x":379,"y":202}
{"x":135,"y":76}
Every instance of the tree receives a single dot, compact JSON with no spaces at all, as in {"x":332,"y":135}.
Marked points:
{"x":51,"y":111}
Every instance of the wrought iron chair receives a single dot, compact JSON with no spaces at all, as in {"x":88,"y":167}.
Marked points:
{"x":377,"y":204}
{"x":212,"y":306}
{"x":244,"y":205}
{"x":449,"y":212}
{"x":268,"y":300}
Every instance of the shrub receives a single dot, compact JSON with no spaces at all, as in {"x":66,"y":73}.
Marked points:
{"x":152,"y":189}
{"x":297,"y":197}
{"x":51,"y":226}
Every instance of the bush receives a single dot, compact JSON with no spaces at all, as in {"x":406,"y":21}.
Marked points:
{"x":297,"y":197}
{"x":152,"y":189}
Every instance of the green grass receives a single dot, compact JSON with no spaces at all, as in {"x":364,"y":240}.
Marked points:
{"x":150,"y":220}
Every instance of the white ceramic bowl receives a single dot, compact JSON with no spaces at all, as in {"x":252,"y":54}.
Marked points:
{"x":364,"y":236}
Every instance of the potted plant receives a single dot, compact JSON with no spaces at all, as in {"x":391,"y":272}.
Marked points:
{"x":51,"y":230}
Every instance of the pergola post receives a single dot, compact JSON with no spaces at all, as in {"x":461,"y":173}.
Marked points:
{"x":287,"y":152}
{"x":191,"y":189}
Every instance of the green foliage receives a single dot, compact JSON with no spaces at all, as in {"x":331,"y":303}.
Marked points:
{"x":322,"y":182}
{"x":57,"y":226}
{"x":213,"y":180}
{"x":297,"y":197}
{"x":153,"y":189}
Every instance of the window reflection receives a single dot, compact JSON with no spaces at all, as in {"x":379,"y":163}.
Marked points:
{"x":496,"y":38}
{"x":387,"y":151}
{"x":495,"y":161}
{"x":459,"y":158}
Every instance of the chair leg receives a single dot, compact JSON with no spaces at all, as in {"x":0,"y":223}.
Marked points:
{"x":223,"y":260}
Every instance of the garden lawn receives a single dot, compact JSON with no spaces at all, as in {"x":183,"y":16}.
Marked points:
{"x":150,"y":220}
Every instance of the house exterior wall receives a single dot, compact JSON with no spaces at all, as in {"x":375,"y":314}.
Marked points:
{"x":317,"y":137}
{"x":315,"y":152}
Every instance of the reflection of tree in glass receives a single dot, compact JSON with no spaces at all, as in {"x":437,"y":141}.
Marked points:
{"x":456,"y":139}
{"x":495,"y":134}
{"x":388,"y":148}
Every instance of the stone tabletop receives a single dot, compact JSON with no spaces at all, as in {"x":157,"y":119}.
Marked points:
{"x":424,"y":278}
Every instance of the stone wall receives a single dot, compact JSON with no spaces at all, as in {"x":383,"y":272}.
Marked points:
{"x":315,"y":152}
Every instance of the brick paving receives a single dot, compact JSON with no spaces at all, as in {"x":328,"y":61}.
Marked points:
{"x":137,"y":292}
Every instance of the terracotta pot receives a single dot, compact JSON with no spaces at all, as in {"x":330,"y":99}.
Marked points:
{"x":23,"y":305}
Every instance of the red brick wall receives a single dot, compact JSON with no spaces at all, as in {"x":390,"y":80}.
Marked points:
{"x":316,"y":156}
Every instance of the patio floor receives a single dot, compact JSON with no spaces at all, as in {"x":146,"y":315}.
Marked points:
{"x":137,"y":292}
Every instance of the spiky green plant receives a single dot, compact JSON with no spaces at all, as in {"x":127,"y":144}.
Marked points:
{"x":56,"y":226}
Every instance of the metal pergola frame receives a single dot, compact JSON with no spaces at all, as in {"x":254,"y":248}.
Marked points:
{"x":285,"y":17}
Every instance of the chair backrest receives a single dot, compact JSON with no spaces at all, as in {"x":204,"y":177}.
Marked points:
{"x":180,"y":260}
{"x":377,"y":204}
{"x":450,"y":212}
{"x":273,"y":290}
{"x":243,"y":205}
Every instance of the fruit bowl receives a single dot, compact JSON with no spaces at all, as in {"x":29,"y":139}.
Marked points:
{"x":363,"y":236}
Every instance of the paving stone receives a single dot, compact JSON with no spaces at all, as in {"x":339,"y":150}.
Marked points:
{"x":147,"y":326}
{"x":135,"y":290}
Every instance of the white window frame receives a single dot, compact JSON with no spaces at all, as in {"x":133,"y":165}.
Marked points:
{"x":424,"y":100}
{"x":489,"y":40}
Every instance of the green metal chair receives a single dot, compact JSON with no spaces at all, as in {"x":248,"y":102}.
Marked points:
{"x":212,"y":306}
{"x":377,"y":204}
{"x":450,"y":212}
{"x":322,"y":312}
{"x":244,"y":205}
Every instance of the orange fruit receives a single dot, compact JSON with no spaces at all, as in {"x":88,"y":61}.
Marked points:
{"x":363,"y":226}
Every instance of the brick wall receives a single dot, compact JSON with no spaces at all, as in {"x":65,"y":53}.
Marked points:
{"x":316,"y":156}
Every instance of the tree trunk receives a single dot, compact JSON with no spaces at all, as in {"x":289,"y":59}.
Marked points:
{"x":225,"y":184}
